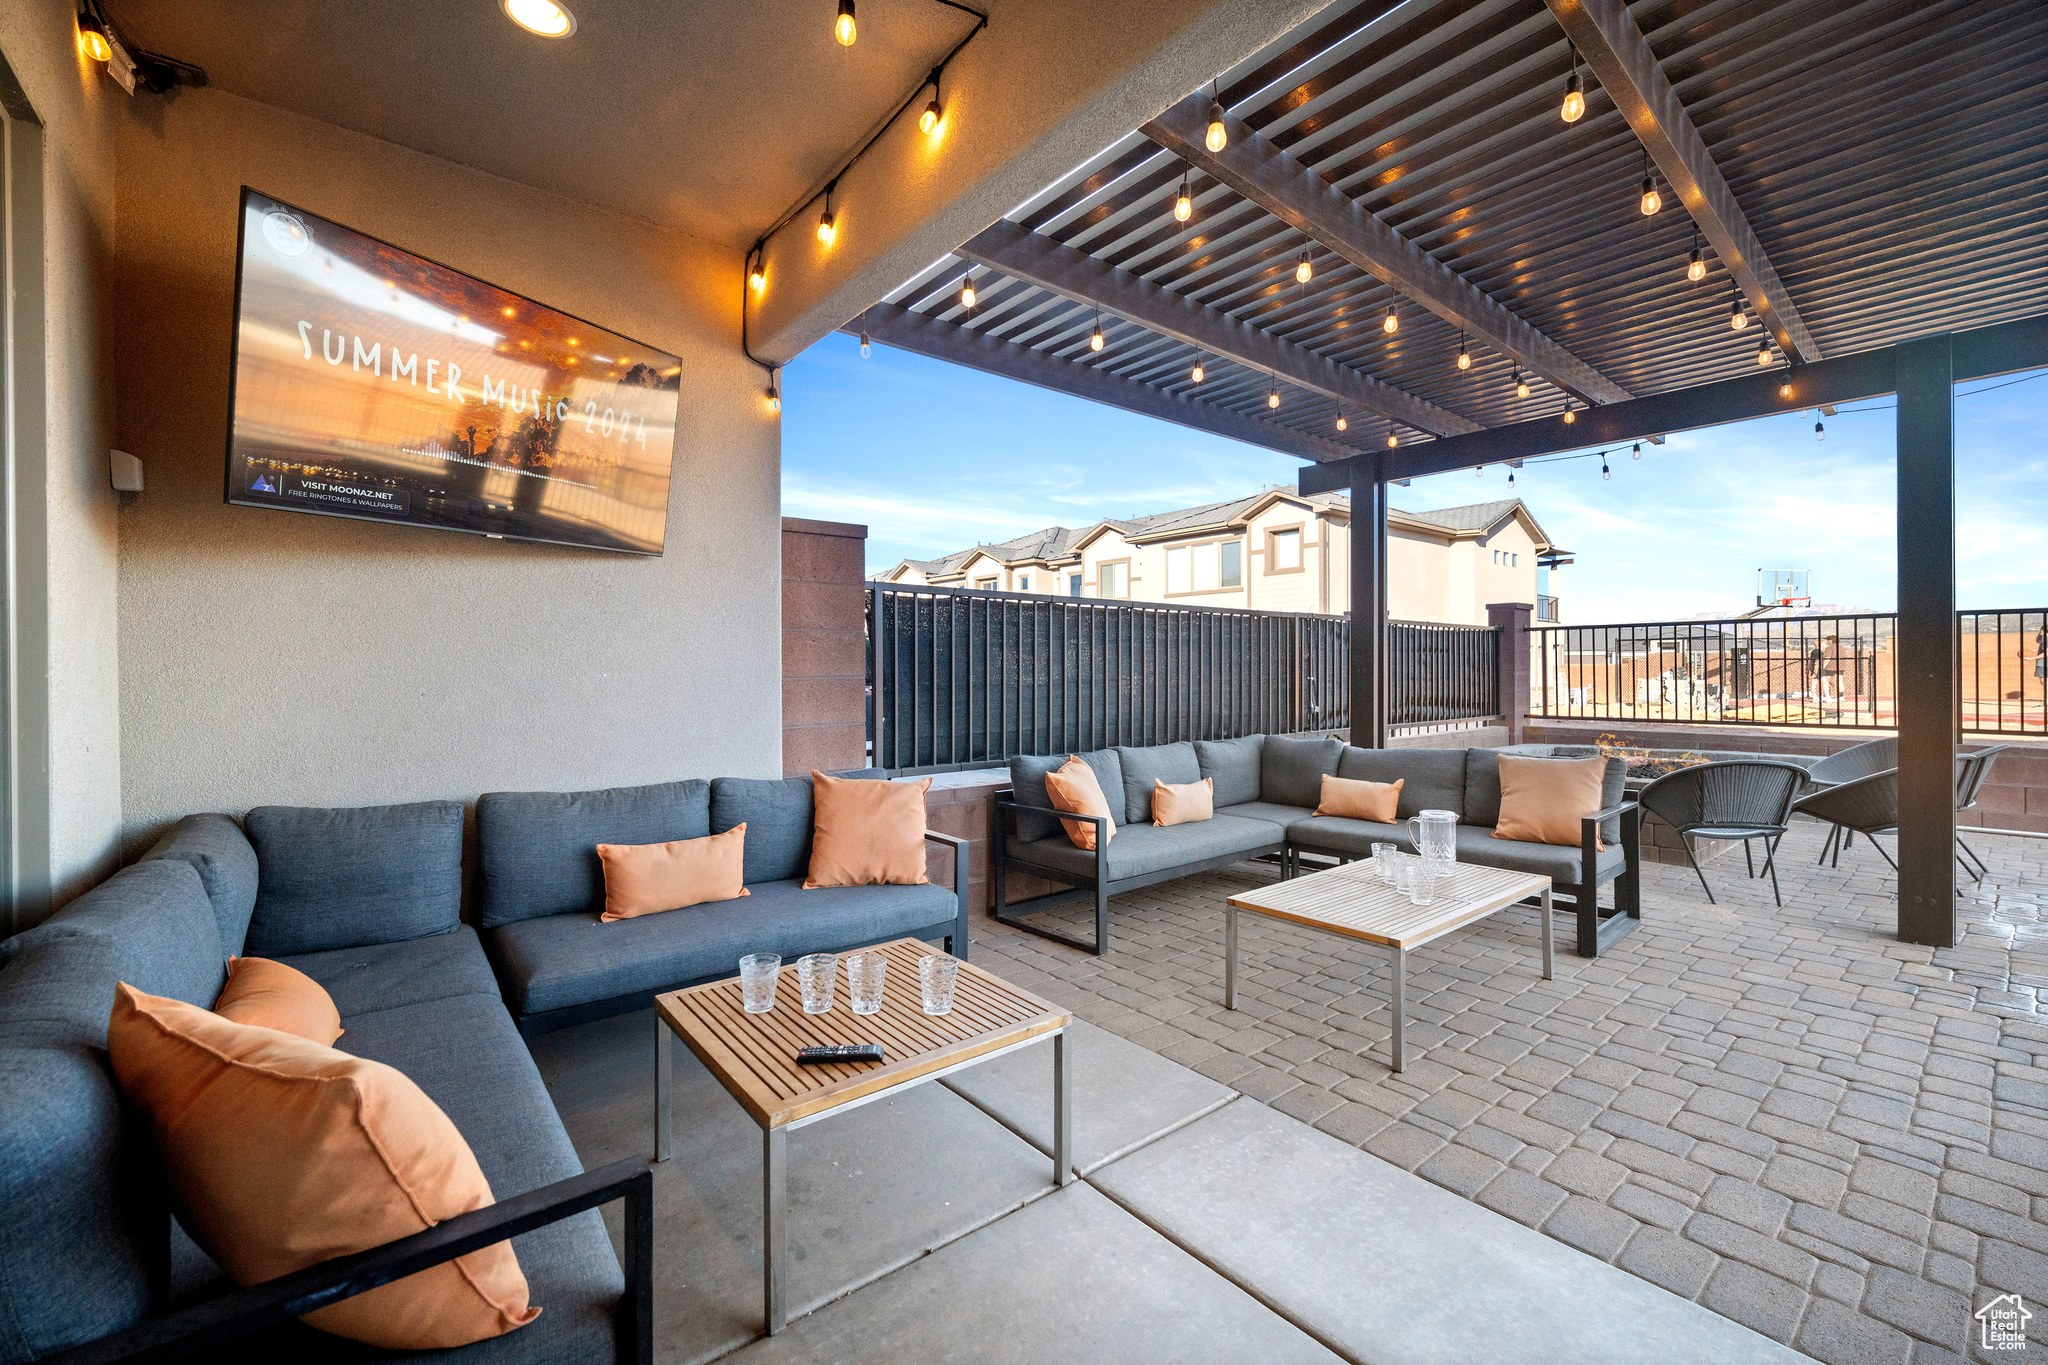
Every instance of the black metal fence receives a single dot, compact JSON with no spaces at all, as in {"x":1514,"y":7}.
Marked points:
{"x":1832,"y":671}
{"x":966,"y":678}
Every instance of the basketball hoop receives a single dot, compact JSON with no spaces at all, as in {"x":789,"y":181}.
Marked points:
{"x":1783,"y":588}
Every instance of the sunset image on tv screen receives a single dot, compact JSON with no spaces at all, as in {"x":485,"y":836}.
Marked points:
{"x":374,"y":384}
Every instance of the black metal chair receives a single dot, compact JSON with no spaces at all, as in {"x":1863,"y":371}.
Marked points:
{"x":1861,"y":760}
{"x":1741,"y":799}
{"x":1971,"y":771}
{"x":1867,"y":805}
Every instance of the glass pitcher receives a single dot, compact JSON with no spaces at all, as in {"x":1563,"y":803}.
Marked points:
{"x":1435,"y":836}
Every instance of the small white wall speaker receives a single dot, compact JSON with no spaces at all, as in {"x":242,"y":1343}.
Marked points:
{"x":126,"y":471}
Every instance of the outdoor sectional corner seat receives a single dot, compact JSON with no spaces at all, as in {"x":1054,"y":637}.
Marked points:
{"x":1267,"y":788}
{"x":541,"y":890}
{"x":366,"y":903}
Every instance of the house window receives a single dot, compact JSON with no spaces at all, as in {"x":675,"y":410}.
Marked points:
{"x":1073,"y":585}
{"x":1205,"y":568}
{"x":985,"y":584}
{"x":1286,"y":553}
{"x":1232,"y":554}
{"x":1514,"y":561}
{"x":1177,"y":570}
{"x":1023,"y":582}
{"x":1110,"y":580}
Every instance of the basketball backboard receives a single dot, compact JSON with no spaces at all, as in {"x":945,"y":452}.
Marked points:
{"x":1783,"y":588}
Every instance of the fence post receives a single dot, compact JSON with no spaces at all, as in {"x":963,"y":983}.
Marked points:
{"x":1511,"y":619}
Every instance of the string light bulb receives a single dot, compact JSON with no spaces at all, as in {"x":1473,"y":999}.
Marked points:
{"x":1218,"y":136}
{"x":967,"y":292}
{"x":843,"y":28}
{"x":1763,"y":351}
{"x":1637,"y":453}
{"x":1820,"y":433}
{"x":774,"y":399}
{"x":1574,"y":108}
{"x":1785,"y":389}
{"x":1696,"y":268}
{"x":1393,"y":439}
{"x":827,"y":229}
{"x":1184,"y":203}
{"x":1521,"y":384}
{"x":864,"y":347}
{"x":1464,"y":353}
{"x":92,"y":38}
{"x":1273,"y":394}
{"x":1569,"y":416}
{"x":1651,"y":200}
{"x":1605,"y":472}
{"x":928,"y":121}
{"x":1342,"y":425}
{"x":1198,"y":373}
{"x":1393,"y":321}
{"x":1511,"y":478}
{"x":1095,"y":342}
{"x":755,"y":277}
{"x":1304,"y":271}
{"x":1737,"y":319}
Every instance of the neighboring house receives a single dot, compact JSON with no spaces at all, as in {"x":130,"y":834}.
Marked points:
{"x":1274,"y":551}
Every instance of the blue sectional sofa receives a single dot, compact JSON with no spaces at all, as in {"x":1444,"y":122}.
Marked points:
{"x":541,"y":890}
{"x":367,"y":903}
{"x":1267,"y":788}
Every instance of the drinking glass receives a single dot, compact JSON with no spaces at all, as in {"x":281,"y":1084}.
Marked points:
{"x":864,"y":972}
{"x":818,"y":974}
{"x":1418,"y":880}
{"x":935,"y":976}
{"x":757,"y":981}
{"x":1383,"y":856}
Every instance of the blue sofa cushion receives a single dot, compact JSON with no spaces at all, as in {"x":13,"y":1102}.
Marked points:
{"x":1027,"y":781}
{"x":342,"y":878}
{"x":1144,"y":849}
{"x":166,"y":939}
{"x":387,"y":976}
{"x":1233,"y":765}
{"x":537,"y":851}
{"x":777,"y":814}
{"x":1431,"y":779}
{"x":1482,"y":790}
{"x":226,"y":863}
{"x":1561,"y":864}
{"x":83,"y":1235}
{"x":1346,"y":835}
{"x":1268,"y":811}
{"x":565,"y":960}
{"x":1172,"y":764}
{"x":1291,"y":770}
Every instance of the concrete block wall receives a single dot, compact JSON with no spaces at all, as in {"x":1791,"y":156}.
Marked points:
{"x":824,"y":646}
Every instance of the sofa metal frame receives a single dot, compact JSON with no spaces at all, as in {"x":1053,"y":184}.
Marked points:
{"x":201,"y":1331}
{"x":1100,"y":886}
{"x":953,"y":931}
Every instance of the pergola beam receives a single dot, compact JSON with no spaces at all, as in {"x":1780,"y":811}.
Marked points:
{"x":1301,"y":198}
{"x":1627,"y":69}
{"x":929,"y":336}
{"x":1025,"y":255}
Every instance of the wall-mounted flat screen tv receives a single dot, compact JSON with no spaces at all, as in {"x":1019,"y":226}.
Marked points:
{"x":372,"y":383}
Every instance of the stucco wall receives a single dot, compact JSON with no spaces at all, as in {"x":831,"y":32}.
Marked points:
{"x":275,"y":657}
{"x":74,"y":102}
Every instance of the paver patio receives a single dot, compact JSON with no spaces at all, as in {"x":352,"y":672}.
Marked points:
{"x":1785,"y":1115}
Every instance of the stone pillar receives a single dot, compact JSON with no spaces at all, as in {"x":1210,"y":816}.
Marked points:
{"x":824,"y":646}
{"x":1511,"y":619}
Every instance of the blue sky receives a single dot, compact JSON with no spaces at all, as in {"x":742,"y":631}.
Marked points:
{"x":934,"y":458}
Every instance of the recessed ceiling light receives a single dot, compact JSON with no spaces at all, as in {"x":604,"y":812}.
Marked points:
{"x":545,"y":17}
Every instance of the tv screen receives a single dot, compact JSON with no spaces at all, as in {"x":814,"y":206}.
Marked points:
{"x":372,"y":383}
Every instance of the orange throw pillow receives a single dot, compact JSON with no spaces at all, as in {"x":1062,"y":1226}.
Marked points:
{"x":282,"y":1154}
{"x":269,"y":994}
{"x":646,"y":879}
{"x":1072,"y":786}
{"x":1359,"y":800}
{"x":866,"y":832}
{"x":1542,"y":800}
{"x":1183,"y":803}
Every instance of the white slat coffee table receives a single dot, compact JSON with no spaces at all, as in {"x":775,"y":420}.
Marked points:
{"x":1352,"y":902}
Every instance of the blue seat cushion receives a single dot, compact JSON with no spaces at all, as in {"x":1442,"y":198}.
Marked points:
{"x":1140,"y":850}
{"x":1027,"y":783}
{"x":1346,"y":835}
{"x":565,"y":960}
{"x":1431,"y":779}
{"x":1291,"y":770}
{"x":1268,"y":811}
{"x":777,"y":814}
{"x":1233,"y":765}
{"x":385,"y":976}
{"x":1172,"y":764}
{"x":537,"y":851}
{"x":226,"y":863}
{"x":342,"y":878}
{"x":1560,"y":863}
{"x":166,"y":939}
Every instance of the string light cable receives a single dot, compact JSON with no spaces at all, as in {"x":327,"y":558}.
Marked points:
{"x":759,"y":251}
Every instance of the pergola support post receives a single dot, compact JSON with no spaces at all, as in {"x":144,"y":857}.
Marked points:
{"x":1369,"y":691}
{"x":1929,"y":712}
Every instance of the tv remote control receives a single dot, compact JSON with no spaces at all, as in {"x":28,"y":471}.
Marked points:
{"x":845,"y":1052}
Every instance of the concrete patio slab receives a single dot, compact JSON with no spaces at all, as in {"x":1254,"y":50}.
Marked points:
{"x":1386,"y":1267}
{"x":870,"y":1189}
{"x":1124,"y":1095}
{"x":1071,"y":1278}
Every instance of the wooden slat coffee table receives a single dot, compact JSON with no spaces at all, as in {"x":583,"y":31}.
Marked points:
{"x":754,"y":1058}
{"x":1353,"y":902}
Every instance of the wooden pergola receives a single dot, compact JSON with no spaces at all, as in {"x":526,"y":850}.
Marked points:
{"x":1864,"y":186}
